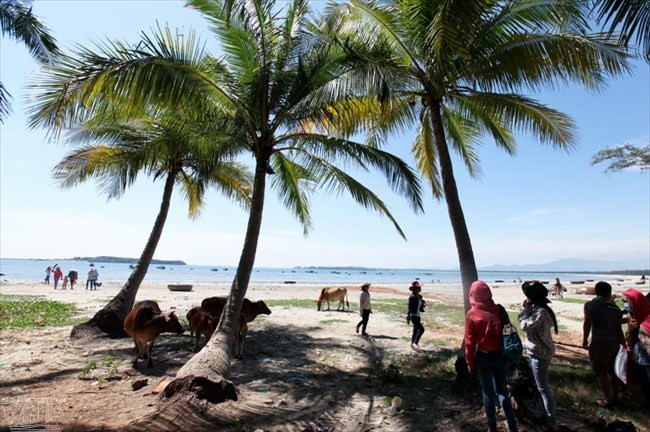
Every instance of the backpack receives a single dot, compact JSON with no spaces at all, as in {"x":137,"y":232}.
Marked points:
{"x":511,"y":345}
{"x":523,"y":389}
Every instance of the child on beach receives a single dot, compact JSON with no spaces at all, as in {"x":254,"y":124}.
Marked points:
{"x":65,"y":282}
{"x":48,"y":271}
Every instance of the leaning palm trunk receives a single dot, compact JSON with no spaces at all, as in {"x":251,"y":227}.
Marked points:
{"x":468,"y":272}
{"x":110,"y":319}
{"x":206,"y":374}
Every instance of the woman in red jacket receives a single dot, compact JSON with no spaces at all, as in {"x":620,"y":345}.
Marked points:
{"x":483,"y":339}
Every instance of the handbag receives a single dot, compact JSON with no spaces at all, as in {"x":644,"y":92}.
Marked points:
{"x":511,"y":342}
{"x":621,"y":365}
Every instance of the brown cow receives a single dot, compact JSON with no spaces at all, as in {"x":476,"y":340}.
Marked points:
{"x":332,"y":294}
{"x":145,"y":322}
{"x":249,"y":311}
{"x":203,"y":323}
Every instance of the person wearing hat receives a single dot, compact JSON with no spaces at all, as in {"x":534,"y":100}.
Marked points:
{"x":416,"y":305}
{"x":365,"y":309}
{"x":536,"y":319}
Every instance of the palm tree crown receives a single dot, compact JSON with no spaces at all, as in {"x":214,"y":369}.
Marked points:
{"x":457,"y":69}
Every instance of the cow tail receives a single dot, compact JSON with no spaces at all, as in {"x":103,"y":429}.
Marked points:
{"x":346,"y":299}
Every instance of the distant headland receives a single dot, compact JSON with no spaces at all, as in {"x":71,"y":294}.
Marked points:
{"x":112,"y":259}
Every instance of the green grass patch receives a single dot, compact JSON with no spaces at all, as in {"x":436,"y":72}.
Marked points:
{"x":18,"y":311}
{"x":297,"y":303}
{"x":571,"y":300}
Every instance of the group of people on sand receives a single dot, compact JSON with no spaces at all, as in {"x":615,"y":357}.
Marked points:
{"x":603,"y":337}
{"x":603,"y":321}
{"x":71,"y":278}
{"x":416,"y":305}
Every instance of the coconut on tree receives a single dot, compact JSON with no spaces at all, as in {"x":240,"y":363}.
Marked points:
{"x":275,"y":85}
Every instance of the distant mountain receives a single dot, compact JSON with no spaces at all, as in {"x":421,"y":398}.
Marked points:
{"x":112,"y":259}
{"x":574,"y":265}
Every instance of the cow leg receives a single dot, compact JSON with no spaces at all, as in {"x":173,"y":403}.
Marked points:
{"x":138,"y":351}
{"x":240,"y":337}
{"x":328,"y":305}
{"x":150,"y":347}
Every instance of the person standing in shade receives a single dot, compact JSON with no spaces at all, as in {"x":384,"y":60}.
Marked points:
{"x":48,"y":272}
{"x":416,"y":306}
{"x":536,"y":319}
{"x":483,"y":354}
{"x":365,"y":309}
{"x":57,"y":274}
{"x":638,"y":337}
{"x":603,"y":321}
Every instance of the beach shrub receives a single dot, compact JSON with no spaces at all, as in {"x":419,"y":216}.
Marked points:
{"x":30,"y":311}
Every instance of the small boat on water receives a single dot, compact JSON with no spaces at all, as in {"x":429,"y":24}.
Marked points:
{"x":131,"y":266}
{"x":499,"y":281}
{"x":577,"y":282}
{"x":180,"y":287}
{"x":290,"y":282}
{"x":160,"y":267}
{"x":640,"y":282}
{"x":214,"y":269}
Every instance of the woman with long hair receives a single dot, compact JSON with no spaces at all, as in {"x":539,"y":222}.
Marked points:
{"x":536,"y":319}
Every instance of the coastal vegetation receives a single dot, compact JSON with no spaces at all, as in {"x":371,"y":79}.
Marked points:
{"x":31,"y":311}
{"x":124,"y":260}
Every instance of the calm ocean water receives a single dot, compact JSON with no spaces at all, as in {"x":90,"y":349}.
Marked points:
{"x":27,"y":270}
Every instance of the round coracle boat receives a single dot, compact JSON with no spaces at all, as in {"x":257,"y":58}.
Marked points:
{"x":179,"y":287}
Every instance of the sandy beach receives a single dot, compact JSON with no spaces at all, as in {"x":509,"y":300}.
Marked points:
{"x":302,"y":370}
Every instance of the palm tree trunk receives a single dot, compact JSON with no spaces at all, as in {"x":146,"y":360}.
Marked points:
{"x":110,"y":319}
{"x":205,"y":375}
{"x":468,"y":272}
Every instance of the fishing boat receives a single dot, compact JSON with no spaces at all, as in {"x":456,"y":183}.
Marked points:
{"x":160,"y":267}
{"x":576,"y":282}
{"x":180,"y":287}
{"x":131,"y":266}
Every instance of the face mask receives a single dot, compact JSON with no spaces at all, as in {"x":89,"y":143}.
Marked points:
{"x":629,"y":309}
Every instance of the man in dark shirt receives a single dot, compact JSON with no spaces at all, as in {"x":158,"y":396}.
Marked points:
{"x":603,"y":320}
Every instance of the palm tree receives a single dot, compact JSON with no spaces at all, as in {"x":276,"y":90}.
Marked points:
{"x":456,"y":68}
{"x":180,"y":153}
{"x":630,"y":18}
{"x":275,"y":86}
{"x":18,"y":22}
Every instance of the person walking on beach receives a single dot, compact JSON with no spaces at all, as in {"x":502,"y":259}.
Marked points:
{"x":58,"y":274}
{"x":638,"y":337}
{"x":484,"y":356}
{"x":416,"y":306}
{"x":91,"y":281}
{"x":536,"y":319}
{"x":365,"y":309}
{"x":603,"y":321}
{"x":48,"y":272}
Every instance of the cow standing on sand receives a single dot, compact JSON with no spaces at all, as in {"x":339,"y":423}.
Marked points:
{"x":144,"y":323}
{"x":333,"y":294}
{"x":202,"y":323}
{"x":249,"y":311}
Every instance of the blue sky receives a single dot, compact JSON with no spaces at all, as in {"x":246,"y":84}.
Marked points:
{"x":536,"y":207}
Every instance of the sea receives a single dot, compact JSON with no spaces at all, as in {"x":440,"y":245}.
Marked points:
{"x":31,"y":270}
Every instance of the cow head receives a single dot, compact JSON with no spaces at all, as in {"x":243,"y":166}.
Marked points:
{"x":319,"y":303}
{"x":263,"y":308}
{"x":172,"y":324}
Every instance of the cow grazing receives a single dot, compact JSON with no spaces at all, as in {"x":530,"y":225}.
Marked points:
{"x":145,"y":322}
{"x":201,"y":323}
{"x":332,"y":294}
{"x":249,"y":311}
